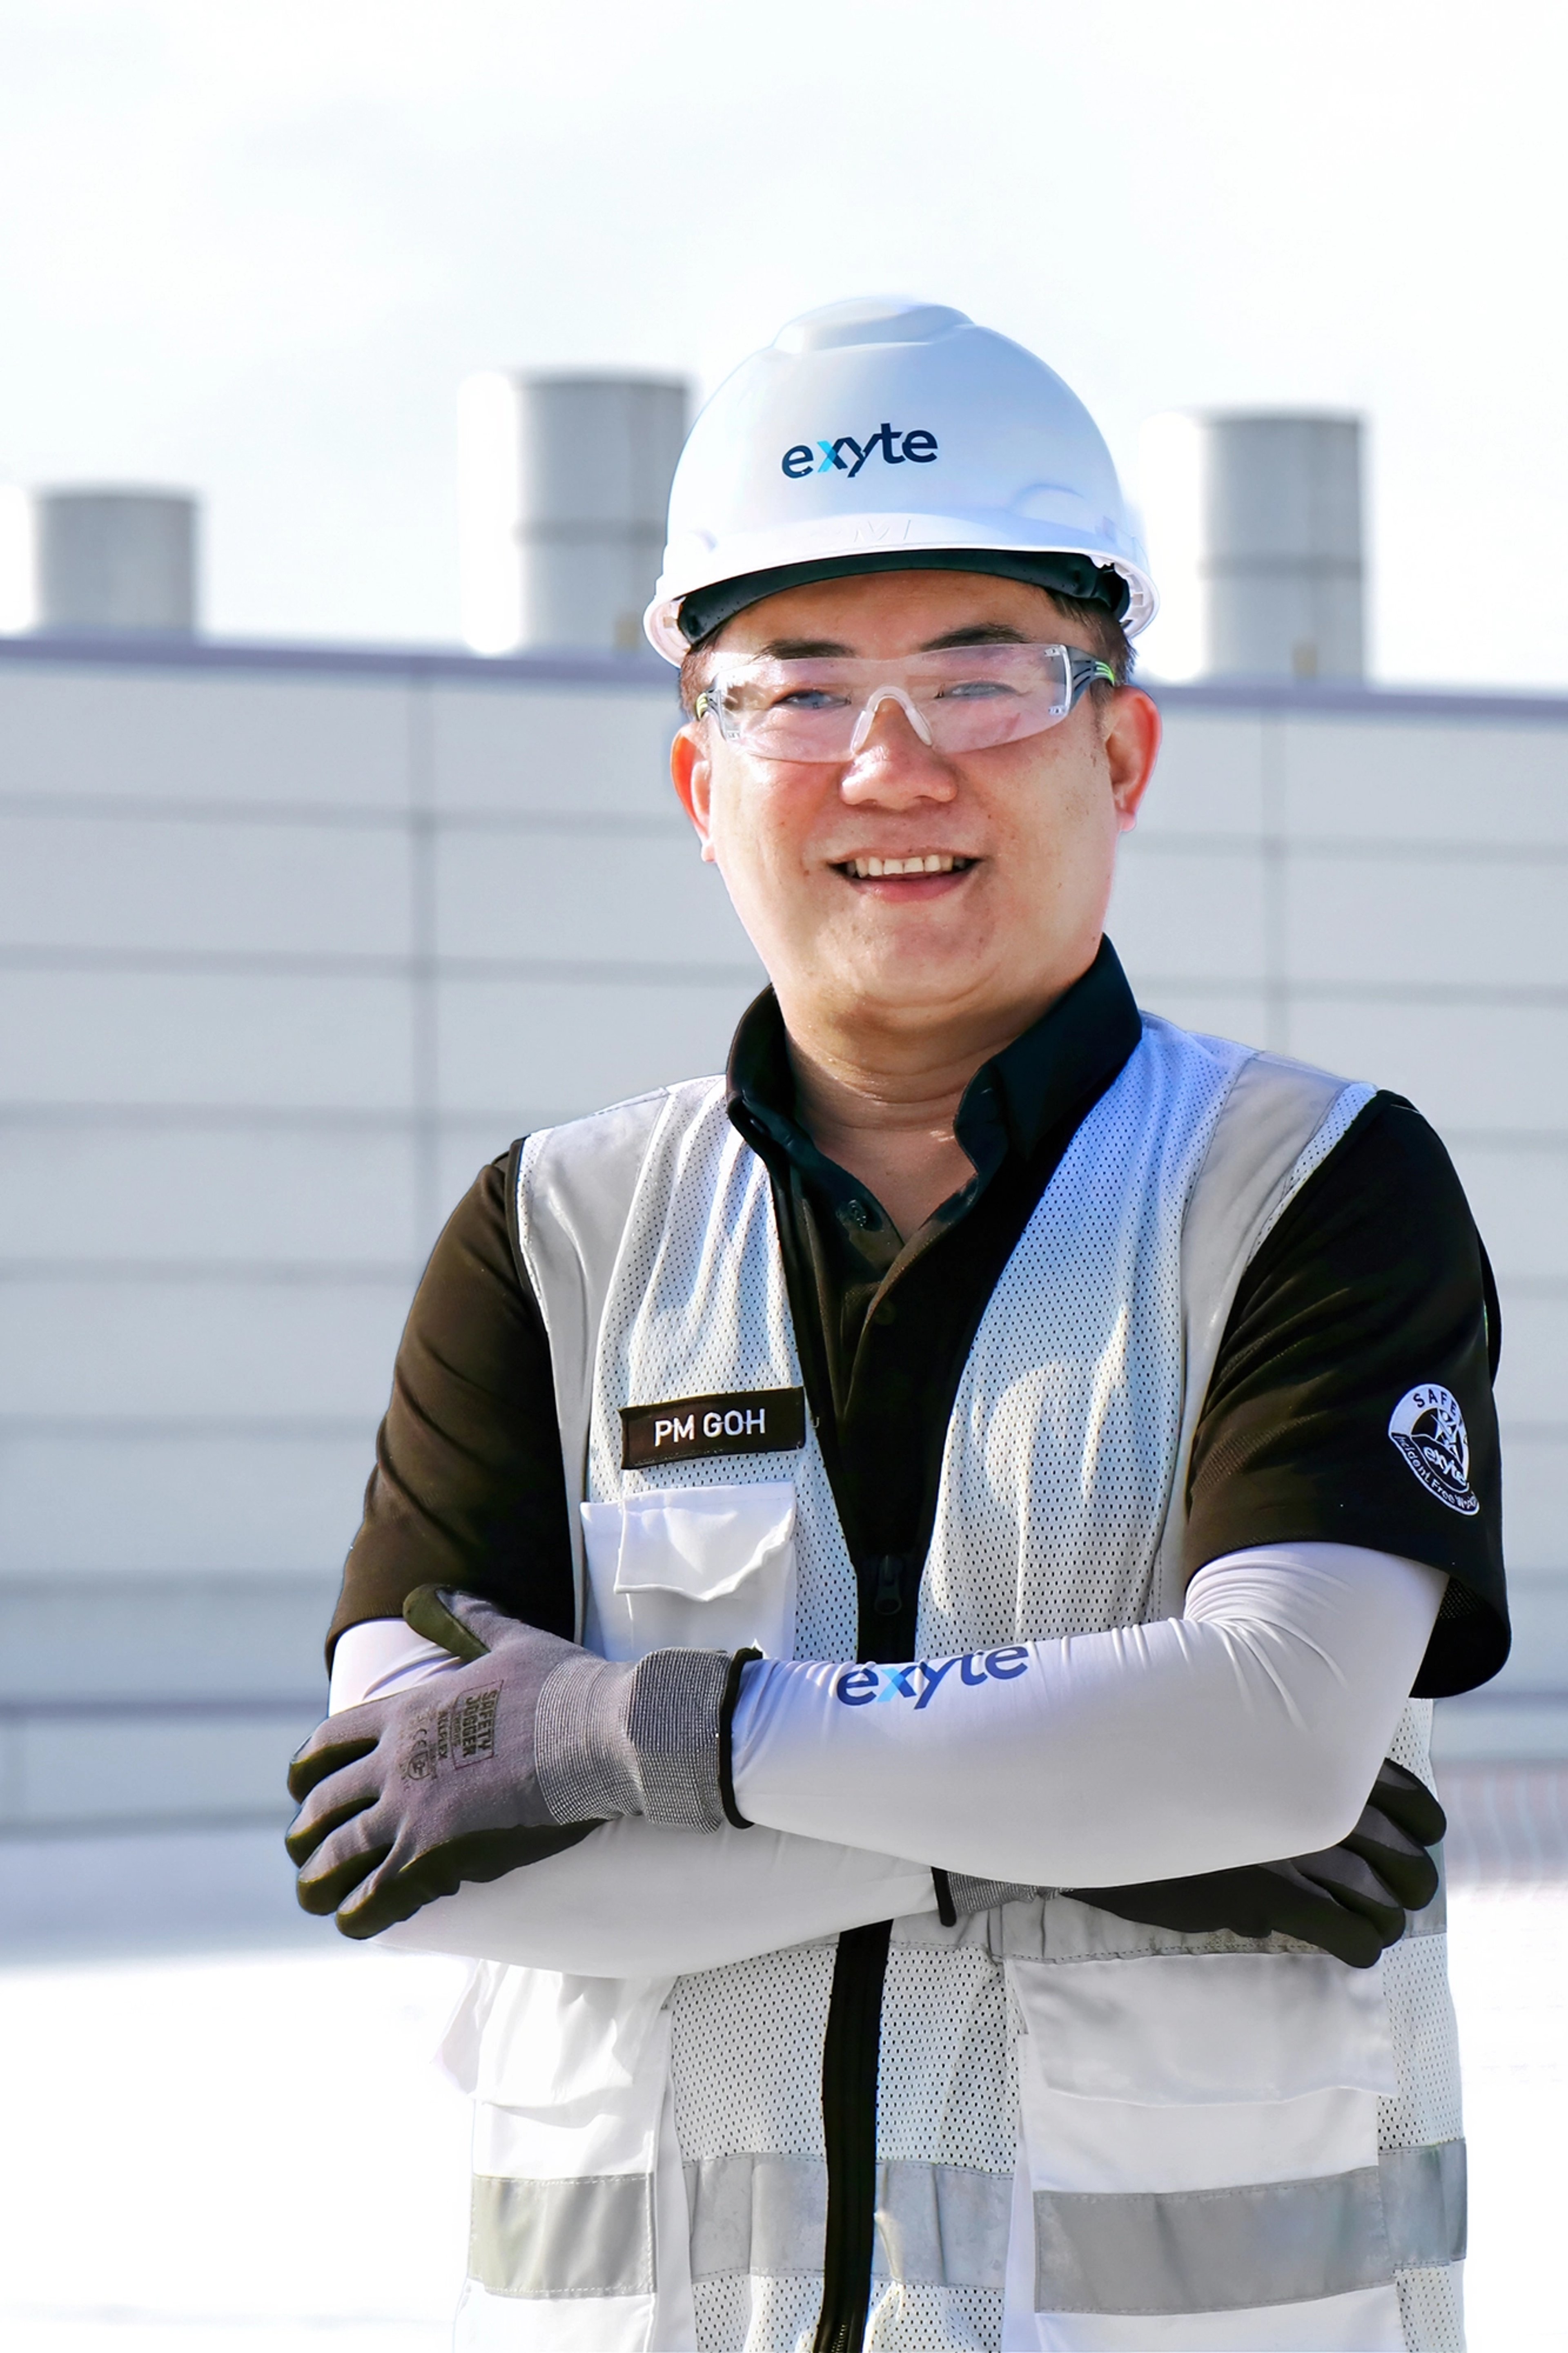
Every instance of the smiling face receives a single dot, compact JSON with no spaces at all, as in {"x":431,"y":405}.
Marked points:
{"x":908,"y":899}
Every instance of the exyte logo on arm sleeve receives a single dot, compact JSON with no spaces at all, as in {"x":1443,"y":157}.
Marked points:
{"x":862,"y":1686}
{"x":917,"y":448}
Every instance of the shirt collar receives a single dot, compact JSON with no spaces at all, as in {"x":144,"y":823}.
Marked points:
{"x":1066,"y":1058}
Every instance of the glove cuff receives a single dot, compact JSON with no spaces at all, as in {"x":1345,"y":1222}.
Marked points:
{"x":613,"y":1740}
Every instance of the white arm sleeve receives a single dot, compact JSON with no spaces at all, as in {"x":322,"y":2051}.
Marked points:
{"x":631,"y":1900}
{"x":1250,"y":1728}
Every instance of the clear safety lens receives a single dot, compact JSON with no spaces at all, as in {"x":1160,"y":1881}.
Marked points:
{"x":959,"y":698}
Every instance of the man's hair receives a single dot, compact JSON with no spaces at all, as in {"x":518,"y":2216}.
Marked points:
{"x":1094,"y":625}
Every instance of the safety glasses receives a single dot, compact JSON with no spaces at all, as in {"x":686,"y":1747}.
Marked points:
{"x":959,"y":698}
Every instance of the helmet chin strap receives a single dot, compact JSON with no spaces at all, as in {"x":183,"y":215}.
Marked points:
{"x":873,"y":703}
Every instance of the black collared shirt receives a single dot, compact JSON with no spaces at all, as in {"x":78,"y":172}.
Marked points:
{"x":884,"y":1325}
{"x":1372,"y":1282}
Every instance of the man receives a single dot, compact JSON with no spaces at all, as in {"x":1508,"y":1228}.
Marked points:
{"x":1090,"y":1424}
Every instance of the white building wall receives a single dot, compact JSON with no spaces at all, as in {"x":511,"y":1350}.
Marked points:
{"x":290,"y":943}
{"x":289,"y":946}
{"x":1379,"y":883}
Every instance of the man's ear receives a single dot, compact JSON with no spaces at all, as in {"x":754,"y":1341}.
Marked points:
{"x":691,"y":774}
{"x":1131,"y":734}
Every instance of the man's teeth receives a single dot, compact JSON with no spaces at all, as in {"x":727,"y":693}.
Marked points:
{"x":934,"y":862}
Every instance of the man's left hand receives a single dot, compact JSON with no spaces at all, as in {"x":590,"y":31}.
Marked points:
{"x":1352,"y":1899}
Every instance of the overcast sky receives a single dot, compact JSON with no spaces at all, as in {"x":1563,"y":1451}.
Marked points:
{"x":254,"y":248}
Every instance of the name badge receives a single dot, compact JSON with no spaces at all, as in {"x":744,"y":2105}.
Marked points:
{"x":757,"y":1421}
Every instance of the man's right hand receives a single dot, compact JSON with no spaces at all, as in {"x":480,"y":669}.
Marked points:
{"x":517,"y":1756}
{"x":1351,"y":1900}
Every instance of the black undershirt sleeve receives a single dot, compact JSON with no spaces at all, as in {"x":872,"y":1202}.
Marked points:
{"x":1374,"y":1285}
{"x":468,"y":1488}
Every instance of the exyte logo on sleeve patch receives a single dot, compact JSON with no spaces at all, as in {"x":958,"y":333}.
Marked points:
{"x":1429,"y":1430}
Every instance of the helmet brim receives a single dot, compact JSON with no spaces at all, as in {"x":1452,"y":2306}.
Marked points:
{"x":675,"y":622}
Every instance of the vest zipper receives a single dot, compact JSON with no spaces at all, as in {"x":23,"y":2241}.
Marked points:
{"x":890,"y":1598}
{"x":889,"y":1589}
{"x":850,"y":2051}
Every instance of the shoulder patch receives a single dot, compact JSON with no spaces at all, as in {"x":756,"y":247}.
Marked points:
{"x":1428,"y":1428}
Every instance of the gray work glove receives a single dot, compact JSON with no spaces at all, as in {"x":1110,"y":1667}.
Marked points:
{"x":473,"y":1775}
{"x":1351,"y":1900}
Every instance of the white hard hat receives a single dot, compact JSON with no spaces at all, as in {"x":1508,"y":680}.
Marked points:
{"x":884,"y":436}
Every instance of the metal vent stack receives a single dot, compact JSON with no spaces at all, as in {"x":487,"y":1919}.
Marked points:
{"x":564,"y":484}
{"x":115,"y":559}
{"x":1282,"y":563}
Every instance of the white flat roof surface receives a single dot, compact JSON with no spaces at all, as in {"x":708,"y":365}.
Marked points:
{"x":254,"y":2154}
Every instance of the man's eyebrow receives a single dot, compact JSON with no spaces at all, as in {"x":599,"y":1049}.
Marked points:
{"x":980,"y":633}
{"x":977,"y":633}
{"x":804,"y":650}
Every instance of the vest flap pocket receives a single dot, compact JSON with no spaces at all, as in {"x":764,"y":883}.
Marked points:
{"x":572,"y":2076}
{"x":692,"y":1568}
{"x":551,"y":2041}
{"x":1195,"y":2028}
{"x":698,"y":1542}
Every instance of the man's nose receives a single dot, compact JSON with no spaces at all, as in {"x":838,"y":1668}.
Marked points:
{"x":893,"y":761}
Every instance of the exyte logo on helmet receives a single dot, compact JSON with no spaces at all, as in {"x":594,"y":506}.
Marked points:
{"x":918,"y":447}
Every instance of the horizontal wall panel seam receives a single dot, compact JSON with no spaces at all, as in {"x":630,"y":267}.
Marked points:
{"x":1331,"y":849}
{"x":1512,"y":1699}
{"x":198,"y":1118}
{"x":350,"y":816}
{"x":292,"y":964}
{"x":323,"y":1428}
{"x":1481,"y":996}
{"x":325,"y":1274}
{"x":397,"y":667}
{"x":15,"y":1832}
{"x":156,"y":1711}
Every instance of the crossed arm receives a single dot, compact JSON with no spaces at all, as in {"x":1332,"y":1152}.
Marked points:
{"x":1250,"y":1728}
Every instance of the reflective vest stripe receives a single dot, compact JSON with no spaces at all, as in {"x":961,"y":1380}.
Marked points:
{"x":1424,"y":2204}
{"x":941,"y":2225}
{"x":590,"y":2235}
{"x":1259,"y":2243}
{"x":1222,"y":2250}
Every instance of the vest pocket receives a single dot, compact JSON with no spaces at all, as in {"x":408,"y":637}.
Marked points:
{"x":1199,"y":2140}
{"x":1205,"y":2029}
{"x":578,"y":2233}
{"x":697,"y":1569}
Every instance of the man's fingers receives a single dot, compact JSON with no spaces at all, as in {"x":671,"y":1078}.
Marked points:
{"x":1407,"y":1870}
{"x":341,"y":1740}
{"x":1259,"y":1900}
{"x":341,"y":1863}
{"x":1409,"y":1804}
{"x":401,"y":1885}
{"x":332,"y":1802}
{"x":1353,"y":1884}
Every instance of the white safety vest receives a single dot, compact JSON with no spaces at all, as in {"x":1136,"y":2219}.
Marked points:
{"x":1091,"y":2134}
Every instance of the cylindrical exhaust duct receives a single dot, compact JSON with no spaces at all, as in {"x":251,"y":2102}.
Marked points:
{"x":116,"y":559}
{"x":1281,"y":563}
{"x":564,"y":484}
